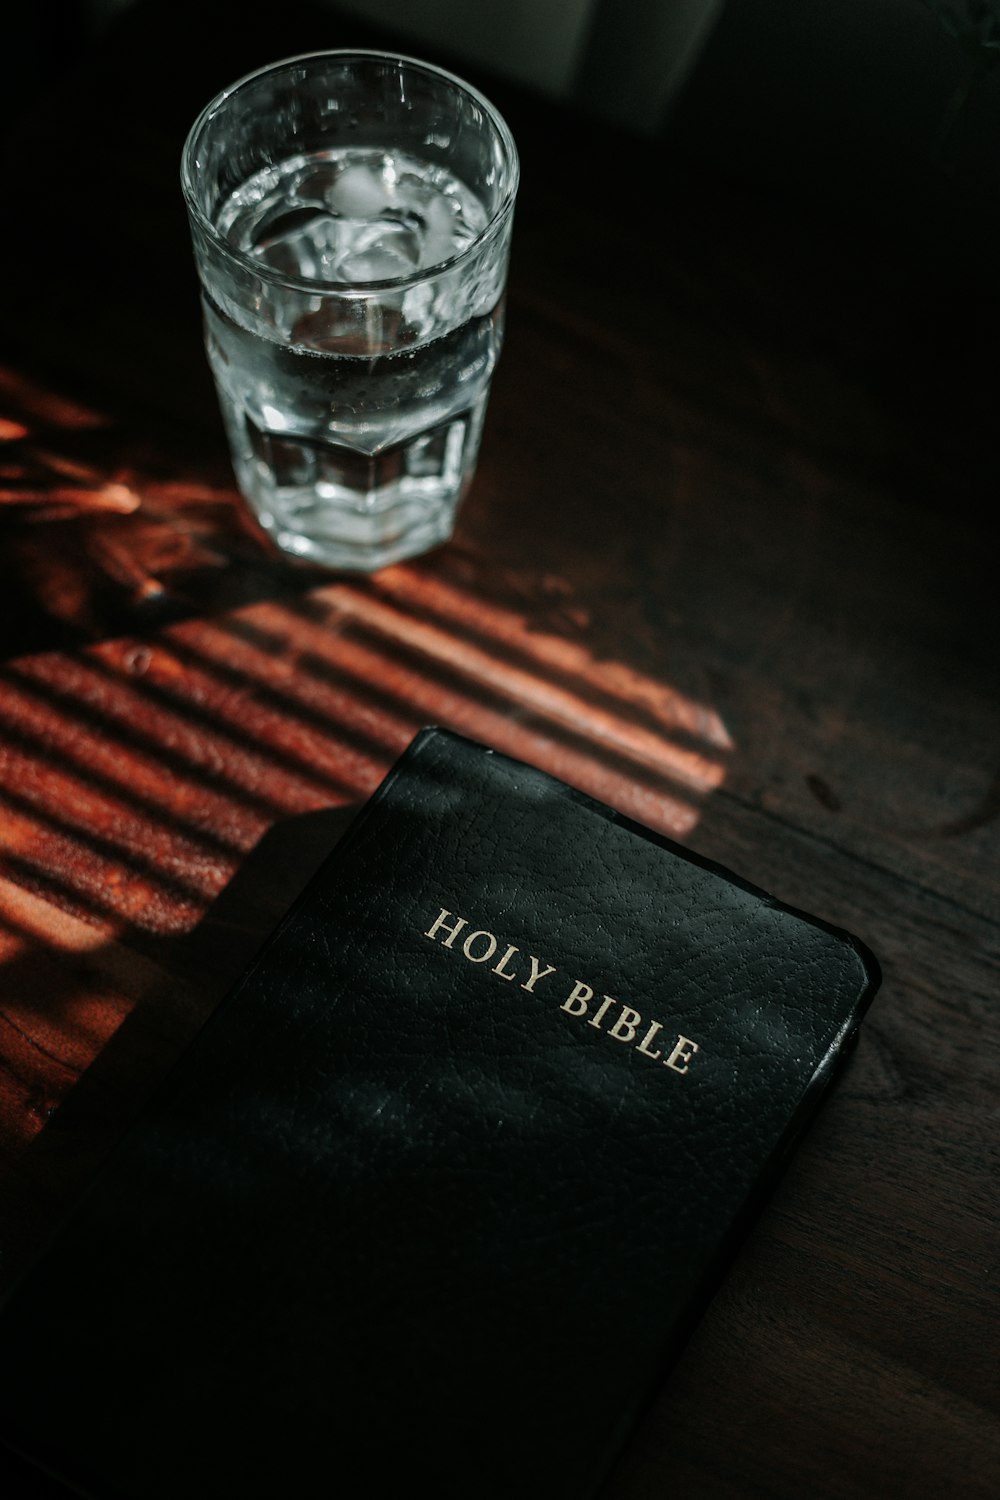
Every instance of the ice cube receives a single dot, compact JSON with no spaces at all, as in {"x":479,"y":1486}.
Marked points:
{"x":376,"y":252}
{"x":362,"y":191}
{"x":300,"y":242}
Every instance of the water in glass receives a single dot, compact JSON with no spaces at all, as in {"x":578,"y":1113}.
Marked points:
{"x":355,"y":423}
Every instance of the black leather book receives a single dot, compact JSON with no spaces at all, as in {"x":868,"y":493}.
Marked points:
{"x":436,"y":1195}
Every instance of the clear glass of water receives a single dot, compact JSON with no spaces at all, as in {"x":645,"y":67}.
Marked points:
{"x":351,"y":216}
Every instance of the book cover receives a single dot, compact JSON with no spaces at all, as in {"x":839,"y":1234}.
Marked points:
{"x":436,"y":1195}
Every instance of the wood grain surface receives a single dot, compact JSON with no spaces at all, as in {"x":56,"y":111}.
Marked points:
{"x":726,"y":564}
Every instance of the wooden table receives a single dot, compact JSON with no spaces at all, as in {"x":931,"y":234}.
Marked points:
{"x":723,"y":565}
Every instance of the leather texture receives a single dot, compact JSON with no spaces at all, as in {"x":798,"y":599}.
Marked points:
{"x":404,"y":1220}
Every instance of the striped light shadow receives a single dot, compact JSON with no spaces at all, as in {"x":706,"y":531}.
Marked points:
{"x":103,"y":854}
{"x":535,"y":686}
{"x":235,"y":681}
{"x":150,"y":720}
{"x":133,"y":869}
{"x":144,"y":793}
{"x":354,"y":722}
{"x":46,"y":738}
{"x":340,"y":671}
{"x":498,"y":639}
{"x":384,"y":661}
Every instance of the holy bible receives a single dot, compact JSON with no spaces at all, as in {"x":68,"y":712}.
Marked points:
{"x":436,"y":1195}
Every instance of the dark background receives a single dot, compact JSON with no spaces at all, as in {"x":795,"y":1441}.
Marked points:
{"x":842,"y":107}
{"x":819,"y":142}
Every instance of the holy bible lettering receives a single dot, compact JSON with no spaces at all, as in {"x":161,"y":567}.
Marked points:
{"x":620,"y":1022}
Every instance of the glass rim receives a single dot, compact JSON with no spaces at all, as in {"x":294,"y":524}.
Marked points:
{"x":357,"y":288}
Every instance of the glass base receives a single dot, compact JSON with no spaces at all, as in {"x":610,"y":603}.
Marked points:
{"x":341,"y":508}
{"x":335,"y":535}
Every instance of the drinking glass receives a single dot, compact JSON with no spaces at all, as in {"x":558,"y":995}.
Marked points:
{"x":351,"y":216}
